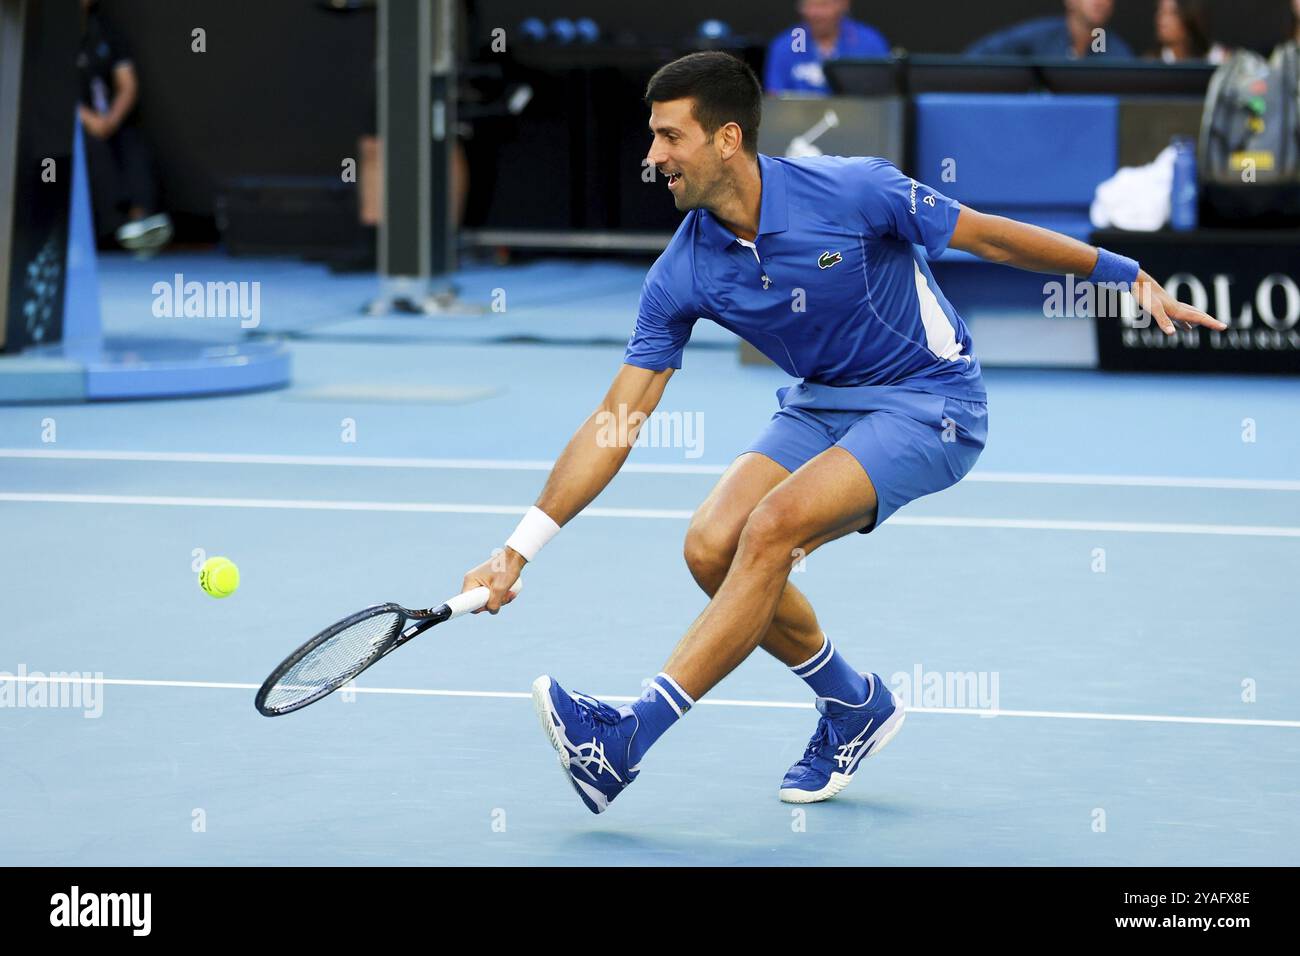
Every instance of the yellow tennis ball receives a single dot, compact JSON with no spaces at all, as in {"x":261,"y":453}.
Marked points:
{"x":219,"y":577}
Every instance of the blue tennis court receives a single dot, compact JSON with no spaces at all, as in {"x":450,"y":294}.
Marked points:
{"x":1094,"y":630}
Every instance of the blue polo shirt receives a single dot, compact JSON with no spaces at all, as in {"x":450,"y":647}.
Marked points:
{"x":788,"y":71}
{"x":834,"y":288}
{"x":1046,"y":37}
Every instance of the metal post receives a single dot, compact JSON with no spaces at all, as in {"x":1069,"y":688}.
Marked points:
{"x":417,"y":133}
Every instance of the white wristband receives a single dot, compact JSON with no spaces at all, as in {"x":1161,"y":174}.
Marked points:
{"x":533,"y":532}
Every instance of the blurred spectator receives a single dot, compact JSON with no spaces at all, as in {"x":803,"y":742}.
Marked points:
{"x":1295,"y":22}
{"x":1067,"y":36}
{"x":123,"y":188}
{"x":794,"y":59}
{"x":1183,"y":32}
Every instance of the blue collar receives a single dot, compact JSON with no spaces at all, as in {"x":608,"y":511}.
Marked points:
{"x":773,"y":208}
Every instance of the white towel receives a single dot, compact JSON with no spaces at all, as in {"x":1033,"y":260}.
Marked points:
{"x":1136,"y":197}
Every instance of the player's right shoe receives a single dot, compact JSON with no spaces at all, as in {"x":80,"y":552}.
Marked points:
{"x":591,"y":738}
{"x":845,"y":736}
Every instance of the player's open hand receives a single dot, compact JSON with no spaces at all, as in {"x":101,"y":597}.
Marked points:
{"x":498,"y":574}
{"x":1168,"y":312}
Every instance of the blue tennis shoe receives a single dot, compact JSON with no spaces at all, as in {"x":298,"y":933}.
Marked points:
{"x":592,"y":739}
{"x":845,"y":736}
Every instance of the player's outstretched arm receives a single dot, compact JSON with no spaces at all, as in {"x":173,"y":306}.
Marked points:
{"x":588,"y":463}
{"x":1036,"y":249}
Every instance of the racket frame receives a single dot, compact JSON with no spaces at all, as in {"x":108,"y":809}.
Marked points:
{"x":424,"y":619}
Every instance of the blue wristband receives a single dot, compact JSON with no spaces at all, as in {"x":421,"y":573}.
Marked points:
{"x":1111,"y":267}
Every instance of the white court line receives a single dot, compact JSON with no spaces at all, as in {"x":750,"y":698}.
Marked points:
{"x":1134,"y":481}
{"x":673,"y":514}
{"x":308,"y":504}
{"x":1126,"y":527}
{"x":715,"y":702}
{"x":359,"y":461}
{"x":495,"y":464}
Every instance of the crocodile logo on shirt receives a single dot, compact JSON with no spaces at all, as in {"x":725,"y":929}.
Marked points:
{"x":828,"y":259}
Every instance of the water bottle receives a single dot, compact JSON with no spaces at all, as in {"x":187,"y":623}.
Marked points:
{"x":1183,"y":212}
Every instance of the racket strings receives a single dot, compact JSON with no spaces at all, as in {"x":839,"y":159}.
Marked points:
{"x":334,"y":661}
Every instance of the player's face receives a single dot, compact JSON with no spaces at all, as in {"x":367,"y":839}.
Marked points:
{"x":684,"y":154}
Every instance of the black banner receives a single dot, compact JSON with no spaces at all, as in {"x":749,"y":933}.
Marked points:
{"x":1250,"y":280}
{"x":923,"y":906}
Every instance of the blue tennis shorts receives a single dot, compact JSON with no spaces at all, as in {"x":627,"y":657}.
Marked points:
{"x":911,"y":443}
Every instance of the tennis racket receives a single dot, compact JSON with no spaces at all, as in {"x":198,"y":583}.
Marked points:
{"x":343,"y":650}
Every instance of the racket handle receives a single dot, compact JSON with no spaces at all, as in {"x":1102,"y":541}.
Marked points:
{"x":475,"y":598}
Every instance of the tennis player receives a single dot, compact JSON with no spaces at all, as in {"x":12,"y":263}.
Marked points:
{"x":815,"y":263}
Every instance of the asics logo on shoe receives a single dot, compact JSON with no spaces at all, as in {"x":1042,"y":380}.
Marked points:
{"x":585,"y":755}
{"x":845,"y":754}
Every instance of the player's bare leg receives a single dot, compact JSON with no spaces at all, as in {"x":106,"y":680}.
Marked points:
{"x":601,"y":747}
{"x":827,"y":498}
{"x":794,"y":635}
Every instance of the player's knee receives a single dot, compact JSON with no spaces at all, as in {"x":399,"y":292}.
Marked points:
{"x":771,"y":532}
{"x":708,"y":552}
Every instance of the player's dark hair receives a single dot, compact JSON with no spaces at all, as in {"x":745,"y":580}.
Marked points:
{"x":724,"y":88}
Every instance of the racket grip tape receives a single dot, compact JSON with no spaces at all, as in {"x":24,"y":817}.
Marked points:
{"x":475,"y":598}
